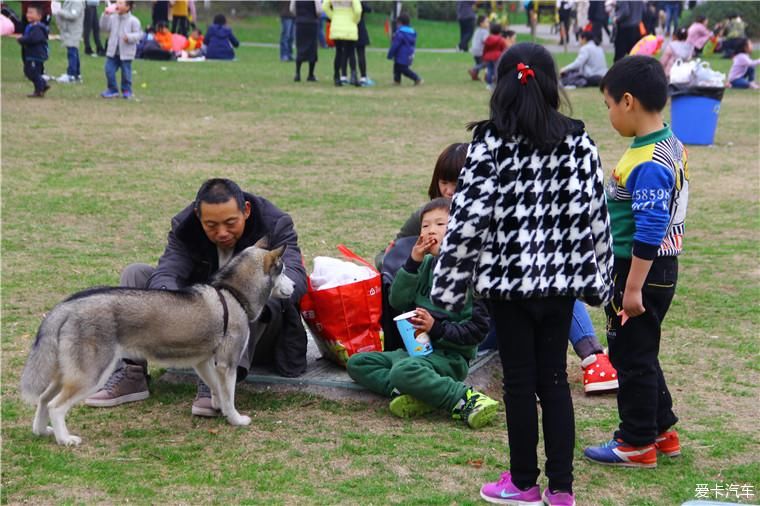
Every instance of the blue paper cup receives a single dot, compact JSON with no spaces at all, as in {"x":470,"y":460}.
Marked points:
{"x":417,"y":342}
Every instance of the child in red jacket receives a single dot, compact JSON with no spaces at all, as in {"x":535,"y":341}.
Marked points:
{"x":494,"y":45}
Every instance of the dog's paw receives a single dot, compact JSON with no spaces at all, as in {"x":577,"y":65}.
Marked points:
{"x":70,"y":440}
{"x":46,"y":431}
{"x":239,"y":419}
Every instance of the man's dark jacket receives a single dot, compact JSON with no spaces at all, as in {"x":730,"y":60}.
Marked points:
{"x":190,"y":257}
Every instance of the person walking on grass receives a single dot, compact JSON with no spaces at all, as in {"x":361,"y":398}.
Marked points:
{"x":421,"y":384}
{"x":647,"y":194}
{"x":529,"y":233}
{"x":402,"y":51}
{"x":34,"y":50}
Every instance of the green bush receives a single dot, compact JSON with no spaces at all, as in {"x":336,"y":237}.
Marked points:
{"x":718,"y":11}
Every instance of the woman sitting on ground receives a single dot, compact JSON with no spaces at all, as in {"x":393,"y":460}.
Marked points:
{"x":589,"y":66}
{"x":220,"y":40}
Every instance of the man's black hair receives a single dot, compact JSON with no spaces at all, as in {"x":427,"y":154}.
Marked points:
{"x":403,"y":19}
{"x":530,"y":109}
{"x":219,"y":19}
{"x":439,"y":203}
{"x":641,"y":76}
{"x":219,"y":191}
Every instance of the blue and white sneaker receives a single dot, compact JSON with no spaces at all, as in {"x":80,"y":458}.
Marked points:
{"x":110,"y":94}
{"x":506,"y":492}
{"x":618,"y":453}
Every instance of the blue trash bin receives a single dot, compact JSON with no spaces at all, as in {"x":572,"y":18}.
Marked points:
{"x":694,"y":113}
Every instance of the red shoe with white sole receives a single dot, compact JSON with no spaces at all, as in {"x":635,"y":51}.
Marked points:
{"x":598,"y":374}
{"x":668,"y":444}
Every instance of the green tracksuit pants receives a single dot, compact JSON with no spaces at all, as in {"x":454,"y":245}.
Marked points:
{"x":435,"y":379}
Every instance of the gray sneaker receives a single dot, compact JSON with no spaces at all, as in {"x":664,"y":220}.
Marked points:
{"x":126,"y":384}
{"x":202,"y":404}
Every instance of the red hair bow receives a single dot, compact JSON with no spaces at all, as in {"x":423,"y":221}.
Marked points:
{"x":523,"y":72}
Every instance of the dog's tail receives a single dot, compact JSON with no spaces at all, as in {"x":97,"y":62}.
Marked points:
{"x":42,"y":364}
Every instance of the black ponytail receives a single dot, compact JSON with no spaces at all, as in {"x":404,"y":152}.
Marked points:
{"x":529,"y":105}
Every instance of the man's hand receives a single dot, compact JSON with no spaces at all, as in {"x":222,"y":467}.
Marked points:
{"x":422,"y":320}
{"x":422,"y":247}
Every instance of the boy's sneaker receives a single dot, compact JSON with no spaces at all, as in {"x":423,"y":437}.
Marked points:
{"x":506,"y":492}
{"x":668,"y":444}
{"x":598,"y":374}
{"x":617,"y":453}
{"x":558,"y":498}
{"x":110,"y":94}
{"x":475,"y":409}
{"x":366,"y":81}
{"x":126,"y":384}
{"x":406,"y":406}
{"x":202,"y":405}
{"x":65,"y":78}
{"x":126,"y":95}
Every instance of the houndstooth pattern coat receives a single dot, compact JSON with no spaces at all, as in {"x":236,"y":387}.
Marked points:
{"x":525,"y":224}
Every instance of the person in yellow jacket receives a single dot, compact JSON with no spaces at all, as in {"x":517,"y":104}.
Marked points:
{"x":180,"y":21}
{"x":344,"y":19}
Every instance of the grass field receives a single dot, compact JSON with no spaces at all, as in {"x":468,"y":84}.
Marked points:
{"x":90,"y":185}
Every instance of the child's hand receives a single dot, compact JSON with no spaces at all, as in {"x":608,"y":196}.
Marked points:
{"x":422,"y":320}
{"x":422,"y":247}
{"x":126,"y":38}
{"x":633,"y":304}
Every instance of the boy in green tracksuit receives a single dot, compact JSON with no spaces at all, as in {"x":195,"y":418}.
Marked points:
{"x":419,"y":385}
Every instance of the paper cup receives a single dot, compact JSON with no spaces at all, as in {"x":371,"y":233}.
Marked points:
{"x":416,"y":341}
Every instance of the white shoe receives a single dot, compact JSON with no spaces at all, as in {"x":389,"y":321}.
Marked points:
{"x":65,"y":78}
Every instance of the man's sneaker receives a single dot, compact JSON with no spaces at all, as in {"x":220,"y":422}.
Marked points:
{"x":475,"y":409}
{"x":202,"y":404}
{"x":598,"y":374}
{"x":126,"y":384}
{"x":506,"y":492}
{"x":110,"y":94}
{"x":406,"y":406}
{"x":668,"y":444}
{"x":617,"y":453}
{"x":558,"y":498}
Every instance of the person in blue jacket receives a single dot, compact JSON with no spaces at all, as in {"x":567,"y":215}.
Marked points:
{"x":402,"y":51}
{"x":220,"y":40}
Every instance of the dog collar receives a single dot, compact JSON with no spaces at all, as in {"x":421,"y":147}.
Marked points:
{"x":224,"y":308}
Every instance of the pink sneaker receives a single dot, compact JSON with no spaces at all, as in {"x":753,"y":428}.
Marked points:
{"x":598,"y":374}
{"x":558,"y":498}
{"x":506,"y":492}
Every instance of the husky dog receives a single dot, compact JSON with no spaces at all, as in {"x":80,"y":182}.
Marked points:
{"x":204,"y":326}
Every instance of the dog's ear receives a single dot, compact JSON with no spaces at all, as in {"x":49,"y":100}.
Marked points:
{"x":262,"y":243}
{"x":273,"y":258}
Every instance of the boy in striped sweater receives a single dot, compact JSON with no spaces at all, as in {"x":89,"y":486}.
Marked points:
{"x":647,"y":197}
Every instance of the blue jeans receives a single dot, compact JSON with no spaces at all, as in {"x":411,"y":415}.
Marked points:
{"x":672,"y":13}
{"x":743,"y":81}
{"x":73,"y":55}
{"x":287,"y":34}
{"x":112,"y":65}
{"x":321,"y":32}
{"x":490,"y":70}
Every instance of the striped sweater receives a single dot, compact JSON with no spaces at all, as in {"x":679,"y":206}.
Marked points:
{"x":647,"y":197}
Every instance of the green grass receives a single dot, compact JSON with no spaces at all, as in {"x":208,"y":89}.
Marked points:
{"x":90,"y":185}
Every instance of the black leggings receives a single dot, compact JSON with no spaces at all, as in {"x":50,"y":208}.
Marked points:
{"x":361,"y":56}
{"x":344,"y":53}
{"x":532,"y":339}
